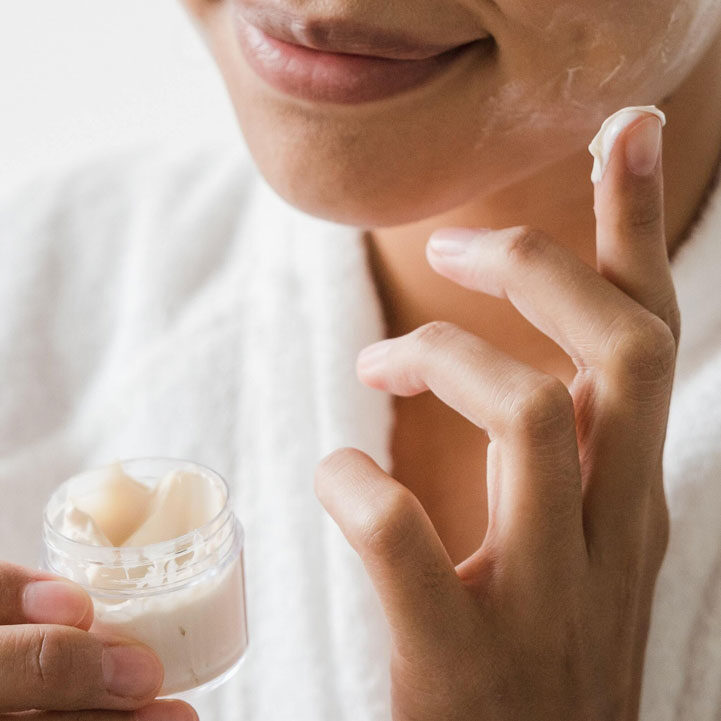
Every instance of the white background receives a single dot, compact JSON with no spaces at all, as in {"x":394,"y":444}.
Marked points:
{"x":79,"y":76}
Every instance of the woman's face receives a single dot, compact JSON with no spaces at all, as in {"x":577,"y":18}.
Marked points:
{"x":536,"y":92}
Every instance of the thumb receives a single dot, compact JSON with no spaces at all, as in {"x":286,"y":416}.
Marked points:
{"x":385,"y":523}
{"x":631,"y":249}
{"x":28,"y":596}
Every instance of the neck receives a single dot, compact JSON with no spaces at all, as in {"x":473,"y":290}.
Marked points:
{"x":559,"y":201}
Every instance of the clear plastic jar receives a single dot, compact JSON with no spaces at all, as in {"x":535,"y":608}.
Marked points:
{"x":185,"y":598}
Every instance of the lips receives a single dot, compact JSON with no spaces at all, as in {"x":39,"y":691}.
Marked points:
{"x":336,"y":60}
{"x":336,"y":35}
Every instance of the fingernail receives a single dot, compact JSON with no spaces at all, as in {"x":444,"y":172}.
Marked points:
{"x":602,"y":144}
{"x":131,"y":671}
{"x":58,"y":602}
{"x":643,"y":146}
{"x":373,"y":356}
{"x":451,"y":241}
{"x":166,"y":711}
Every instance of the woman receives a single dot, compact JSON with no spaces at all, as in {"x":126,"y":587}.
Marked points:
{"x":548,"y":343}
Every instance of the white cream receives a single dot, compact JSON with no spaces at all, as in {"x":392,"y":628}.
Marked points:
{"x":125,"y":512}
{"x":181,"y":502}
{"x":600,"y":147}
{"x":162,"y":564}
{"x":80,"y":527}
{"x":116,"y":503}
{"x":198,"y":633}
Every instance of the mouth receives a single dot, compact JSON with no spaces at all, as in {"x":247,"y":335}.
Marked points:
{"x":339,"y":61}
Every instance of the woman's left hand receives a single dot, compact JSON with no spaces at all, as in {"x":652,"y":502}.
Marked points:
{"x":548,"y":619}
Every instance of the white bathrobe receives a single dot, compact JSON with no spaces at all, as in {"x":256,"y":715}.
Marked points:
{"x":170,"y":304}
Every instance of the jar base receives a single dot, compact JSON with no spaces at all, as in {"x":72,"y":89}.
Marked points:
{"x":193,"y":693}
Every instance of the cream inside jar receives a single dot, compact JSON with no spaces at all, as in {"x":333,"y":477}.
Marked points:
{"x":157,"y":547}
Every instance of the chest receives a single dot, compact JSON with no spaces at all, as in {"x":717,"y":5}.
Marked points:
{"x":441,"y":457}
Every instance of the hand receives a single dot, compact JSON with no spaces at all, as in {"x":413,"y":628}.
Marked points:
{"x":548,"y":618}
{"x":50,"y":663}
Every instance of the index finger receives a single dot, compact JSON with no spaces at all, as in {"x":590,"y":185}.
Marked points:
{"x":28,"y":596}
{"x":631,"y":248}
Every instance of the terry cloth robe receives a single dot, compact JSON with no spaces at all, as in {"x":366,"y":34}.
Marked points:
{"x":166,"y":303}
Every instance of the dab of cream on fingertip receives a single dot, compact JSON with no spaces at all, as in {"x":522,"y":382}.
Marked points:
{"x":600,"y":147}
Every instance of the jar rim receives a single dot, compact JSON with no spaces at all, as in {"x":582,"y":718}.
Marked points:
{"x":142,"y":570}
{"x":157,"y":546}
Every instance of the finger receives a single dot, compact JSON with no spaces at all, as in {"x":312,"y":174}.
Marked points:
{"x":28,"y":596}
{"x":625,"y":353}
{"x":157,"y":711}
{"x":631,"y":248}
{"x":398,"y":545}
{"x":625,"y":356}
{"x":62,"y":668}
{"x":529,"y":416}
{"x":589,"y":317}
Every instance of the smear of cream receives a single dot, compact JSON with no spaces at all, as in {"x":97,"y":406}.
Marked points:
{"x":602,"y":144}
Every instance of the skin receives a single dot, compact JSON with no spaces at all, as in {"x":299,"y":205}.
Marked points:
{"x":435,"y":447}
{"x":558,"y":389}
{"x":548,"y":617}
{"x":560,"y":70}
{"x":537,"y":602}
{"x":54,"y":668}
{"x":503,"y":144}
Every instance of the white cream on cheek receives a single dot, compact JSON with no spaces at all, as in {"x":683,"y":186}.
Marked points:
{"x":602,"y":61}
{"x":702,"y":19}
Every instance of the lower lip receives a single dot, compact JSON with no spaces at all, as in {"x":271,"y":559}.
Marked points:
{"x":337,"y":77}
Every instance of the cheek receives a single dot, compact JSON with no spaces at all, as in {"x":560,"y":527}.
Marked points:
{"x":592,"y":53}
{"x":558,"y":73}
{"x":406,"y":159}
{"x":409,"y":157}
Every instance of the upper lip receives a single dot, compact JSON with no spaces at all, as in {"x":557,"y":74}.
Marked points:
{"x":338,"y":35}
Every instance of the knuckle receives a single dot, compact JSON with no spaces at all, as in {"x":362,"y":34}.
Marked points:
{"x":46,"y":657}
{"x":523,"y":243}
{"x":434,"y":334}
{"x":389,"y":528}
{"x":644,"y":216}
{"x":544,"y":411}
{"x":339,"y":461}
{"x":645,"y":352}
{"x":427,"y":341}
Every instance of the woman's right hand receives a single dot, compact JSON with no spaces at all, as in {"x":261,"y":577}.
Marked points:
{"x":50,"y":662}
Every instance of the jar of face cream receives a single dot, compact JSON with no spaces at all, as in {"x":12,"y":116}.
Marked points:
{"x":156,"y":545}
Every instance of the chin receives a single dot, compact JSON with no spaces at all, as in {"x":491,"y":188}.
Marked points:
{"x":363,"y":194}
{"x":370,"y":180}
{"x":391,"y":164}
{"x":378,"y":171}
{"x":372,"y":164}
